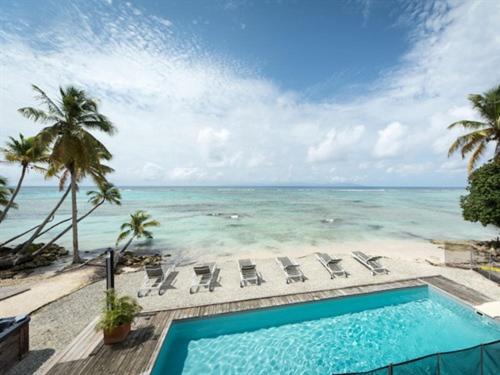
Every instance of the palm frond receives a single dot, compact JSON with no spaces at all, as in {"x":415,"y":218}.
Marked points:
{"x":476,"y":155}
{"x":466,"y":139}
{"x":468,"y":124}
{"x":122,"y":236}
{"x":36,"y":115}
{"x":152,"y":223}
{"x":44,"y":98}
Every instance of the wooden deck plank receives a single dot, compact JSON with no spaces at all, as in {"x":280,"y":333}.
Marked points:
{"x":464,"y":293}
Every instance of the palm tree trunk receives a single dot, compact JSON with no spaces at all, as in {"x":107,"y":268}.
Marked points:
{"x":497,"y":151}
{"x":53,"y":226}
{"x":74,"y":215}
{"x":127,"y":245}
{"x":13,"y":196}
{"x":19,"y":235}
{"x":67,"y":229}
{"x":47,"y":219}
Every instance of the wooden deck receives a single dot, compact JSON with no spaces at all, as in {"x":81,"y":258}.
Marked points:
{"x":87,"y":354}
{"x":464,"y":293}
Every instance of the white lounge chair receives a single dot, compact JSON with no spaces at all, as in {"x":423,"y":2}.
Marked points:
{"x":291,"y":269}
{"x":332,"y":265}
{"x":154,"y":278}
{"x":203,"y":277}
{"x":248,"y":272}
{"x":370,"y":262}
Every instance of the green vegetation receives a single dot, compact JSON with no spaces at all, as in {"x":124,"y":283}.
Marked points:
{"x":67,"y":150}
{"x":75,"y":152}
{"x":28,"y":154}
{"x":136,"y":228}
{"x":482,"y":204}
{"x":117,"y":311}
{"x":5,"y":194}
{"x":107,"y":193}
{"x":480,"y":132}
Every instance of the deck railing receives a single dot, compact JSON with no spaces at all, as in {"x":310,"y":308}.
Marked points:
{"x":482,"y":359}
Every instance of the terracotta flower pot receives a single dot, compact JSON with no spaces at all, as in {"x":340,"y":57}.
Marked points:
{"x":117,"y":334}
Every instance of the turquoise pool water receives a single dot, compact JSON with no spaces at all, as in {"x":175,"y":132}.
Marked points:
{"x":349,"y":334}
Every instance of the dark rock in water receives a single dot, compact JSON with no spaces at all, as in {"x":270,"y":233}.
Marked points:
{"x":331,"y":221}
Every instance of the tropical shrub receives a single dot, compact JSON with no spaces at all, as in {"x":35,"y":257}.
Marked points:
{"x":482,"y":204}
{"x":117,"y":311}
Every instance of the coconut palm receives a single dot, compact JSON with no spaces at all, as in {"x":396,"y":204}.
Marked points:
{"x":136,"y":228}
{"x":97,"y":173}
{"x":481,"y":132}
{"x":74,"y":148}
{"x":28,"y":154}
{"x":107,"y":193}
{"x":5,"y":193}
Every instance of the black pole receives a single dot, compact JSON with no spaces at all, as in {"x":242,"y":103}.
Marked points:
{"x":110,"y":269}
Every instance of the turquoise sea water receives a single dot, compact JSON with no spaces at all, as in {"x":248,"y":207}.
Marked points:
{"x":227,"y":220}
{"x":350,"y":334}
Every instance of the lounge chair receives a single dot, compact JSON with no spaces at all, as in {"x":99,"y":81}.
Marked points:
{"x":248,"y":272}
{"x":370,"y":262}
{"x":291,"y":269}
{"x":154,"y":278}
{"x":332,"y":265}
{"x":204,"y":277}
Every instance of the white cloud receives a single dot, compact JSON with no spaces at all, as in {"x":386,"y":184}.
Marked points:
{"x":453,"y":166}
{"x":186,"y":173}
{"x":152,"y":171}
{"x":390,"y":140}
{"x":336,"y":144}
{"x":409,"y":169}
{"x":179,"y":105}
{"x":258,"y":161}
{"x":211,"y":137}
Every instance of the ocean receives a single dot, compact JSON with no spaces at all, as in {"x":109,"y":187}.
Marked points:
{"x":226,"y":220}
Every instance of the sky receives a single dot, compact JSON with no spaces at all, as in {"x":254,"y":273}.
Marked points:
{"x":259,"y":92}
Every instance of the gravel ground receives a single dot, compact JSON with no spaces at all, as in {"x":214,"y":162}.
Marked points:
{"x":54,"y":326}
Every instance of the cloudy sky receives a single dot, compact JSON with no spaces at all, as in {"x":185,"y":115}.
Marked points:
{"x":259,"y":92}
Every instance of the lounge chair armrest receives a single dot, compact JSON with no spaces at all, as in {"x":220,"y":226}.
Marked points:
{"x":374,"y":258}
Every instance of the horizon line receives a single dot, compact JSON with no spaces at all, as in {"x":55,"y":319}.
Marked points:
{"x":277,"y":186}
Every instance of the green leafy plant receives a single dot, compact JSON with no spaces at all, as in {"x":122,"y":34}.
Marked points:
{"x":480,"y":133}
{"x":483,"y":201}
{"x":71,"y":122}
{"x":117,"y":311}
{"x":137,"y":227}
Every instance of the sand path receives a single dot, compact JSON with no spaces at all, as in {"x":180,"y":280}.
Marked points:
{"x":48,"y":290}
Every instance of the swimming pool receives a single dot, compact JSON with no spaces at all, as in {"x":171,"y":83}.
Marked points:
{"x":348,"y":334}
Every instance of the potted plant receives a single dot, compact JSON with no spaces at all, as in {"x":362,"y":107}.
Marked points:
{"x":117,"y":317}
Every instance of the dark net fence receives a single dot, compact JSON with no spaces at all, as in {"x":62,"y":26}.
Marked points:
{"x":479,"y":360}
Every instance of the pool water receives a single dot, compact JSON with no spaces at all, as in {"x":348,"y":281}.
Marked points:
{"x":349,"y":334}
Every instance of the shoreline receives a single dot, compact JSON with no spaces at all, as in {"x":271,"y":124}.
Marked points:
{"x":416,"y":250}
{"x":52,"y":330}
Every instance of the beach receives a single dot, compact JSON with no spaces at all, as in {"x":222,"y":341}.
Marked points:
{"x":223,"y":225}
{"x":56,"y":324}
{"x":197,"y":221}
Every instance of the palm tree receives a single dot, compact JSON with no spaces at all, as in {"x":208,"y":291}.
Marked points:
{"x":481,"y":132}
{"x":26,"y":152}
{"x":97,"y":173}
{"x":5,"y":193}
{"x":107,"y":193}
{"x":136,"y":228}
{"x":74,"y":148}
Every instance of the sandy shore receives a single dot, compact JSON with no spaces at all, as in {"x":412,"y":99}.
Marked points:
{"x":56,"y":324}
